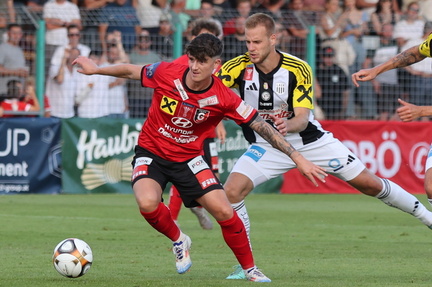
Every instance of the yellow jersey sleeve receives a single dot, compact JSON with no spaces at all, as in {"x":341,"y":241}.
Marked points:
{"x":425,"y":47}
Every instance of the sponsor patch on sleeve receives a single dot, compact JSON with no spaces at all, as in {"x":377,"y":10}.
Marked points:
{"x":244,"y":110}
{"x":150,"y":69}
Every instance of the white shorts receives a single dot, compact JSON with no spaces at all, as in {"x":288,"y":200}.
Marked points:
{"x":262,"y":162}
{"x":429,"y":159}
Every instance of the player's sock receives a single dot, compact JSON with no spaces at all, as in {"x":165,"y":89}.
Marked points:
{"x":395,"y":196}
{"x":160,"y":219}
{"x":236,"y":238}
{"x":241,"y":210}
{"x":175,"y":202}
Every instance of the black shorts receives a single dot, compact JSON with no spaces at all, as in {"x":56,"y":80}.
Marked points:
{"x":211,"y":154}
{"x":192,"y":178}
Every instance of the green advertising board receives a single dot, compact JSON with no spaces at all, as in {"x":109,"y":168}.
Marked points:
{"x":97,"y":155}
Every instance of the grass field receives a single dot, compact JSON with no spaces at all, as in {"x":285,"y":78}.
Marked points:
{"x":298,"y":240}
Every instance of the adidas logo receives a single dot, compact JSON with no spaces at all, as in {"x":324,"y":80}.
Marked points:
{"x":252,"y":87}
{"x":350,"y":159}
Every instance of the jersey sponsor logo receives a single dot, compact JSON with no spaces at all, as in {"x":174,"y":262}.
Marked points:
{"x":244,"y":110}
{"x":305,"y":92}
{"x":248,"y":75}
{"x":201,"y":115}
{"x":280,"y":88}
{"x":168,"y":105}
{"x":143,"y":161}
{"x":252,"y":87}
{"x":184,"y":138}
{"x":197,"y":164}
{"x":280,"y":113}
{"x":255,"y":152}
{"x":181,"y":122}
{"x":181,"y":90}
{"x":150,"y":69}
{"x":210,"y":101}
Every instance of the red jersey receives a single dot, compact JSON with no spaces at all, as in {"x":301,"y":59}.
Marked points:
{"x":14,"y":105}
{"x":180,"y":119}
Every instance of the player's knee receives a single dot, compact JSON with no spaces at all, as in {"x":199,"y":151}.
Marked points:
{"x":147,"y":205}
{"x":233,"y":193}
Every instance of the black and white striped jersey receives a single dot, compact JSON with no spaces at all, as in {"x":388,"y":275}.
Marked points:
{"x":276,"y":93}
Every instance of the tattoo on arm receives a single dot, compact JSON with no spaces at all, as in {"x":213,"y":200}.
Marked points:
{"x":272,"y":136}
{"x":407,"y":58}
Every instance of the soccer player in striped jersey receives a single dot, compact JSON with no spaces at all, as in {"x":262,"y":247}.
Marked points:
{"x":407,"y":112}
{"x":279,"y":86}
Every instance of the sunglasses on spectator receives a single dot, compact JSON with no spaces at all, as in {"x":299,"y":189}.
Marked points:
{"x":414,"y":9}
{"x":74,"y":35}
{"x":144,"y":39}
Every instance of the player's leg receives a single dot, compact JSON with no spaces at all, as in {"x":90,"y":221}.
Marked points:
{"x":148,"y":194}
{"x":175,"y":203}
{"x":233,"y":231}
{"x":428,"y":176}
{"x":391,"y":194}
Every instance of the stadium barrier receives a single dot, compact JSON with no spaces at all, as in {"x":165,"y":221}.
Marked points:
{"x":46,"y":155}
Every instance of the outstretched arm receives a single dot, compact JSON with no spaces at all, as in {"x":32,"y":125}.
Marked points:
{"x":307,"y":168}
{"x":403,"y":59}
{"x":127,"y":71}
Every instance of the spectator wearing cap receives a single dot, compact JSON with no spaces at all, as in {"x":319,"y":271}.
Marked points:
{"x":334,"y":84}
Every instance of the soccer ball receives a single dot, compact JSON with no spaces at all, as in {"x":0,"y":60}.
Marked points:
{"x":72,"y":257}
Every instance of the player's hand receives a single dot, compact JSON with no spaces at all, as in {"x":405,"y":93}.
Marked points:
{"x":280,"y":124}
{"x":363,"y":76}
{"x":408,"y":112}
{"x":308,"y":169}
{"x":221,"y":132}
{"x":85,"y":65}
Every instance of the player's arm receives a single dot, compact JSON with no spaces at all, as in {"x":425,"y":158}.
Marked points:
{"x":307,"y":168}
{"x":403,"y":59}
{"x":127,"y":71}
{"x":409,"y":112}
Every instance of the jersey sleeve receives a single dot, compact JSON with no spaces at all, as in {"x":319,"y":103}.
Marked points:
{"x":303,"y":92}
{"x":231,"y":70}
{"x":150,"y":75}
{"x":425,"y":47}
{"x":238,"y":110}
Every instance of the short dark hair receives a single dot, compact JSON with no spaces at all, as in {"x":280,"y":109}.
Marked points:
{"x":13,"y":25}
{"x":205,"y":45}
{"x":13,"y":90}
{"x":208,"y":24}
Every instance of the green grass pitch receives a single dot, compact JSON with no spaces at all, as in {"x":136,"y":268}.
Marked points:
{"x":298,"y":240}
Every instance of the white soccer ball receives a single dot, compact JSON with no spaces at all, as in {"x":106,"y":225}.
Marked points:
{"x":72,"y":257}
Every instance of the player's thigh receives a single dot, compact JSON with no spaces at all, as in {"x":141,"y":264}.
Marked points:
{"x":262,"y":162}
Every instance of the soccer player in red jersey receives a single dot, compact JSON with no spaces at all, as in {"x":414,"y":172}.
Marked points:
{"x":188,"y":103}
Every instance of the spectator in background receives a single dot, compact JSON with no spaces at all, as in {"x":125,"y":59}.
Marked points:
{"x":118,"y":105}
{"x":234,"y":44}
{"x":243,"y":8}
{"x":384,"y":14}
{"x":207,"y":11}
{"x":274,"y":8}
{"x":120,"y":16}
{"x":11,"y":101}
{"x":140,"y":97}
{"x":163,"y":40}
{"x":355,"y":28}
{"x":332,"y":23}
{"x":149,"y":13}
{"x":410,"y":26}
{"x":386,"y":85}
{"x":141,"y":53}
{"x":61,"y":85}
{"x":334,"y":84}
{"x":12,"y":60}
{"x":38,"y":5}
{"x":30,"y":99}
{"x":296,"y":24}
{"x":283,"y":38}
{"x":7,"y":15}
{"x":74,"y":37}
{"x":178,"y":15}
{"x":92,"y":92}
{"x":58,"y":16}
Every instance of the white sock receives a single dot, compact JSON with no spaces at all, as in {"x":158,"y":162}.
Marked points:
{"x":182,"y":237}
{"x":395,"y":196}
{"x":430,"y":201}
{"x":240,"y":208}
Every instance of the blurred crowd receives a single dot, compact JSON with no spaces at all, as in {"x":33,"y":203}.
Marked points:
{"x":350,"y":35}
